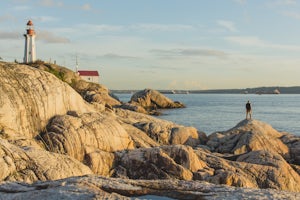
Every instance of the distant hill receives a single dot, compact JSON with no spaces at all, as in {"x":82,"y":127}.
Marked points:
{"x":257,"y":90}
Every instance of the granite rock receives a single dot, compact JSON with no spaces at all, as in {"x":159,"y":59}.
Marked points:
{"x":96,"y":187}
{"x":152,"y":99}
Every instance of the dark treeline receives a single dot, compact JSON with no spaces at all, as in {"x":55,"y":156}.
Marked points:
{"x":257,"y":90}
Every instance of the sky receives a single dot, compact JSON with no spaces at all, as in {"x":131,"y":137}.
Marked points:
{"x":162,"y":44}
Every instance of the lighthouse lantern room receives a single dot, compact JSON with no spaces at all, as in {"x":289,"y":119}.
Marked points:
{"x":29,"y":52}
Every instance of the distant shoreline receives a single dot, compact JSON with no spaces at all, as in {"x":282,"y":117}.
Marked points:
{"x":258,"y":90}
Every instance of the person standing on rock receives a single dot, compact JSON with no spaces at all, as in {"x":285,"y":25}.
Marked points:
{"x":248,"y":110}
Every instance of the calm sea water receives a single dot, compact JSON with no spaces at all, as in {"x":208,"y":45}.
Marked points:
{"x":220,"y":112}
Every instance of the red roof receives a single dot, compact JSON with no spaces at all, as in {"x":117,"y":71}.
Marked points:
{"x":88,"y":73}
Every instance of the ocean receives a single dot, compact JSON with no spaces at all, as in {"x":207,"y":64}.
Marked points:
{"x":219,"y":112}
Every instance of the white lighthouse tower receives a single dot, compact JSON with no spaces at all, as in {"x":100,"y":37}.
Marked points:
{"x":29,"y":52}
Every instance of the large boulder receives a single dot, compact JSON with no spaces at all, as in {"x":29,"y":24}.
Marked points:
{"x":30,"y":97}
{"x":133,"y":107}
{"x":293,"y":143}
{"x":271,"y":171}
{"x":90,"y":138}
{"x":139,"y":138}
{"x":167,"y":135}
{"x":95,"y":93}
{"x":161,"y":131}
{"x":247,"y":136}
{"x":152,"y":99}
{"x":257,"y":169}
{"x":163,"y":162}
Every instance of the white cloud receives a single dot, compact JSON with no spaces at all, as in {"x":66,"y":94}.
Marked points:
{"x":61,"y":4}
{"x":51,"y":3}
{"x":116,"y":56}
{"x":92,"y":29}
{"x":256,"y":42}
{"x":189,"y":52}
{"x":99,"y":28}
{"x":246,"y":40}
{"x":162,"y":27}
{"x":45,"y":18}
{"x":5,"y":18}
{"x":22,"y":8}
{"x":86,"y":7}
{"x":10,"y":35}
{"x":19,"y":1}
{"x":291,"y":14}
{"x":229,"y":25}
{"x":285,"y":2}
{"x":50,"y":37}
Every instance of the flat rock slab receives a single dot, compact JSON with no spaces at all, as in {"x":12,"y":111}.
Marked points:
{"x":96,"y":187}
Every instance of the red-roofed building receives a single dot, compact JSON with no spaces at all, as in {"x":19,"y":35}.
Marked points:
{"x":90,"y":76}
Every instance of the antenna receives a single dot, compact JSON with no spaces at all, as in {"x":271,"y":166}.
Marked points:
{"x":76,"y":64}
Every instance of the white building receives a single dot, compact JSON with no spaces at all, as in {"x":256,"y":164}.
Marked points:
{"x":29,"y":52}
{"x":90,"y":76}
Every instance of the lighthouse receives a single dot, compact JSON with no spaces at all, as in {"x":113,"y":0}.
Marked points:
{"x":29,"y":51}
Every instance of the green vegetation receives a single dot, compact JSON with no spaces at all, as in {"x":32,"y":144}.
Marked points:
{"x":58,"y":73}
{"x":49,"y":68}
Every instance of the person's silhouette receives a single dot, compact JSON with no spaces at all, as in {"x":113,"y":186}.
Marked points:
{"x":248,"y":110}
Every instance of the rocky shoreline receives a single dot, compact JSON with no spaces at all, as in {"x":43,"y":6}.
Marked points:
{"x":72,"y":139}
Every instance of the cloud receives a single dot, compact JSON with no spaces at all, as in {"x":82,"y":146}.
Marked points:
{"x":162,"y":27}
{"x":45,"y":19}
{"x":229,"y":25}
{"x":5,"y":18}
{"x":19,"y":1}
{"x":291,"y":14}
{"x":49,"y":37}
{"x":22,"y":8}
{"x":9,"y":35}
{"x":116,"y":56}
{"x":86,"y":7}
{"x":51,"y":3}
{"x":256,"y":42}
{"x":61,"y":4}
{"x":136,"y":27}
{"x":246,"y":41}
{"x":189,"y":52}
{"x":100,"y":28}
{"x":285,"y":2}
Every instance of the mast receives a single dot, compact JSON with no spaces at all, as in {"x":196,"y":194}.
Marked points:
{"x":76,"y":64}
